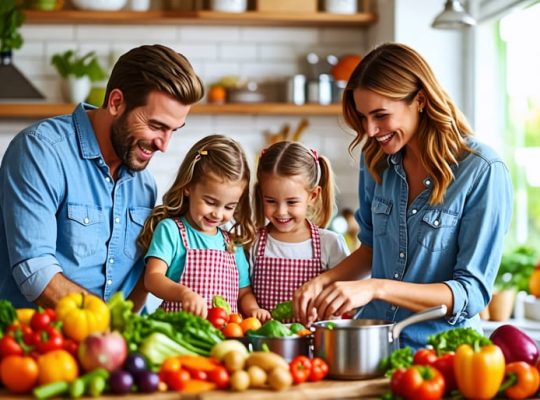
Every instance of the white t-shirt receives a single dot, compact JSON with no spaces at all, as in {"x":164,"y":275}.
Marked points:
{"x":333,"y":249}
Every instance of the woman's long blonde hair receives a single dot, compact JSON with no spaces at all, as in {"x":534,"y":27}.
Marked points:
{"x":294,"y":159}
{"x":222,"y":157}
{"x":398,"y":72}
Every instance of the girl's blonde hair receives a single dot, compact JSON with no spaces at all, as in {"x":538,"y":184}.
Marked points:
{"x":294,"y":159}
{"x":398,"y":72}
{"x":222,"y":157}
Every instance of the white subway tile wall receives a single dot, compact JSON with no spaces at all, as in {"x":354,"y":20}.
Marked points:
{"x":257,"y":53}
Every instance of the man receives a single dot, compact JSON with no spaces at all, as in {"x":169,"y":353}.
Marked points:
{"x":74,"y":194}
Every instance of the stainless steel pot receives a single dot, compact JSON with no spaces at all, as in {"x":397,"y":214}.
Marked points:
{"x":353,"y":348}
{"x":288,"y":347}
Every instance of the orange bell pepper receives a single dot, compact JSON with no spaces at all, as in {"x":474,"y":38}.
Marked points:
{"x":522,"y":380}
{"x":479,"y":370}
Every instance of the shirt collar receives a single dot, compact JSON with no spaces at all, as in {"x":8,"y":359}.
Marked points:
{"x":85,"y":132}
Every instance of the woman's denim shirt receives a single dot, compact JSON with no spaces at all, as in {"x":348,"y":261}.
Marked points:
{"x":458,"y":242}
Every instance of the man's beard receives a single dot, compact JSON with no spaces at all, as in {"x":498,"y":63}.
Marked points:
{"x":125,"y":146}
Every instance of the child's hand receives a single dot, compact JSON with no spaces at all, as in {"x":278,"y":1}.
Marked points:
{"x":261,"y":314}
{"x":194,"y":303}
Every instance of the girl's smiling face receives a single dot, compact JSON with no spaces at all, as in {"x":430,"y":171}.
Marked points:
{"x":286,"y":201}
{"x":212,"y":202}
{"x":393,"y":124}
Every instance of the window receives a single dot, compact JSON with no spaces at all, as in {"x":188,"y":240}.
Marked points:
{"x":507,"y":109}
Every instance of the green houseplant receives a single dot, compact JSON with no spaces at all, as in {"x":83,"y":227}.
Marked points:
{"x":11,"y":18}
{"x":78,"y":73}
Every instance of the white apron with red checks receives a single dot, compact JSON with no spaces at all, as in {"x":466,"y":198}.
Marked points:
{"x":276,"y":279}
{"x":208,"y":272}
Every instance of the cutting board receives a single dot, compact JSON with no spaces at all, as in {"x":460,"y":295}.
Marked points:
{"x":327,"y":389}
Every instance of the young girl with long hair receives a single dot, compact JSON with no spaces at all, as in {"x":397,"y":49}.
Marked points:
{"x":295,"y":194}
{"x":190,"y":258}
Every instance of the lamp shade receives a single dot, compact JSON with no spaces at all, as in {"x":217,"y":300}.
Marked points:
{"x":453,"y":16}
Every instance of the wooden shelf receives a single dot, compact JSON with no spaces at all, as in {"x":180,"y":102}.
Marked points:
{"x":45,"y":110}
{"x":318,"y":19}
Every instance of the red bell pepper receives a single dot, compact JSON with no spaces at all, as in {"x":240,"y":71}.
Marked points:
{"x":419,"y":382}
{"x":300,"y":367}
{"x":49,"y":339}
{"x":443,"y":363}
{"x":425,"y":357}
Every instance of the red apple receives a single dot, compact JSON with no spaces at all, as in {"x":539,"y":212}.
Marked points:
{"x":107,"y":350}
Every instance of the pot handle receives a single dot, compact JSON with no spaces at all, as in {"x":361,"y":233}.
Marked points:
{"x":429,"y":313}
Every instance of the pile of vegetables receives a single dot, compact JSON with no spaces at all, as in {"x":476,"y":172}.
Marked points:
{"x":462,"y":362}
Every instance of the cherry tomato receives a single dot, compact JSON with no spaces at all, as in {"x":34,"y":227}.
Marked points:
{"x":10,"y":347}
{"x":42,"y":318}
{"x":232,"y":330}
{"x":19,"y":374}
{"x":319,"y":369}
{"x":300,"y":367}
{"x":237,"y":318}
{"x":176,"y":380}
{"x":217,"y":317}
{"x":220,"y":376}
{"x":250,"y":324}
{"x":425,"y":357}
{"x":197,"y":374}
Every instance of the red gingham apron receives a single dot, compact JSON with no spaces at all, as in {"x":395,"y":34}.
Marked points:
{"x":207,"y":272}
{"x":276,"y":279}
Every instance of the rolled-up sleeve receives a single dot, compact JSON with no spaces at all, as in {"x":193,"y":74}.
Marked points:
{"x":31,"y":194}
{"x":485,"y":221}
{"x":363,"y":214}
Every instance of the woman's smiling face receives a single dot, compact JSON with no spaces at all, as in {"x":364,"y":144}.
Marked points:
{"x":393,"y":124}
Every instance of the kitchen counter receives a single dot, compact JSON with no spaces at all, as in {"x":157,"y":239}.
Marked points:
{"x":326,"y":389}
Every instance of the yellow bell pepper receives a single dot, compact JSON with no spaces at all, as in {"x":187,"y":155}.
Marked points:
{"x":82,"y":314}
{"x":24,"y":315}
{"x":479,"y":370}
{"x":57,"y":365}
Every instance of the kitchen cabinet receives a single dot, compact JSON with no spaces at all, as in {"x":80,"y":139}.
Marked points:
{"x":34,"y":110}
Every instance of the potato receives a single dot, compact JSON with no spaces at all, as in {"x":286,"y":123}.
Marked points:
{"x":266,"y":360}
{"x":234,"y":360}
{"x":280,"y":378}
{"x":239,"y":381}
{"x":220,"y":349}
{"x":257,"y":376}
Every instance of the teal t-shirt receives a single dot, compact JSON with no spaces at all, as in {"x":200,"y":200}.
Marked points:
{"x":167,"y":245}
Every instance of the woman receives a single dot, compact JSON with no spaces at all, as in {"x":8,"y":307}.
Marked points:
{"x":434,"y":204}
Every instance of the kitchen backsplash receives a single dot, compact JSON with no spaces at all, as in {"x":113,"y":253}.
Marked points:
{"x":254,"y":53}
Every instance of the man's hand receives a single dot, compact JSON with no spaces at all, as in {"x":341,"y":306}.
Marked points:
{"x":58,"y":287}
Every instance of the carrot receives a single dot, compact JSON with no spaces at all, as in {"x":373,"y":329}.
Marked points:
{"x":194,"y":386}
{"x":197,"y":363}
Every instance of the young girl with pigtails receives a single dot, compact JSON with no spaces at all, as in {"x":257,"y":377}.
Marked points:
{"x":294,"y":202}
{"x":189,"y":257}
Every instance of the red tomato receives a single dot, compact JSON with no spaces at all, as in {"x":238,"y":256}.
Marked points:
{"x":10,"y":347}
{"x":175,"y":380}
{"x":217,"y":317}
{"x":197,"y":374}
{"x":42,"y":318}
{"x":319,"y":369}
{"x":300,"y":367}
{"x":232,"y":330}
{"x":220,"y":376}
{"x":419,"y":382}
{"x":19,"y":374}
{"x":425,"y":357}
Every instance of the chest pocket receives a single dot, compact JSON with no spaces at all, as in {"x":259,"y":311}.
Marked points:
{"x":84,"y":228}
{"x":380,"y":210}
{"x":438,"y":229}
{"x":135,"y":222}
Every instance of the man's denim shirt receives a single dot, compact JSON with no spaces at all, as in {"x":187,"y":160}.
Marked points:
{"x":458,"y":242}
{"x":61,"y":211}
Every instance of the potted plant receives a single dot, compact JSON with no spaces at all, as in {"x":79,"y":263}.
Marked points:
{"x":11,"y":18}
{"x":78,"y":73}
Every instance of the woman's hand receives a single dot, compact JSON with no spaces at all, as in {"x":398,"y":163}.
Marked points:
{"x":340,"y":297}
{"x":303,"y":300}
{"x":193,"y":303}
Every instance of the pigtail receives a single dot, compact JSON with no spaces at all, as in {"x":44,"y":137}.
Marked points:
{"x":323,"y":210}
{"x":260,"y":219}
{"x":243,"y":231}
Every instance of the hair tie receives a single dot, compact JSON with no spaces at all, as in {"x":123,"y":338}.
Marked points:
{"x":264,"y":151}
{"x":200,"y":153}
{"x":315,"y":156}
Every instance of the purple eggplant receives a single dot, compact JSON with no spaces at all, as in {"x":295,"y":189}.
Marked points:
{"x":121,"y":382}
{"x":515,"y":344}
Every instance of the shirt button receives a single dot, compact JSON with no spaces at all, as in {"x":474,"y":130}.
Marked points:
{"x":393,"y":307}
{"x":436,"y":222}
{"x":117,"y":220}
{"x":396,"y":276}
{"x":109,"y":282}
{"x":86,"y":220}
{"x":428,"y":182}
{"x":111,"y":260}
{"x":401,"y":255}
{"x":100,"y":162}
{"x":414,"y":211}
{"x":108,"y":179}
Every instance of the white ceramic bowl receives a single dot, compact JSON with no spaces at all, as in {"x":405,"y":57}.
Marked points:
{"x":99,"y":5}
{"x":531,"y":308}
